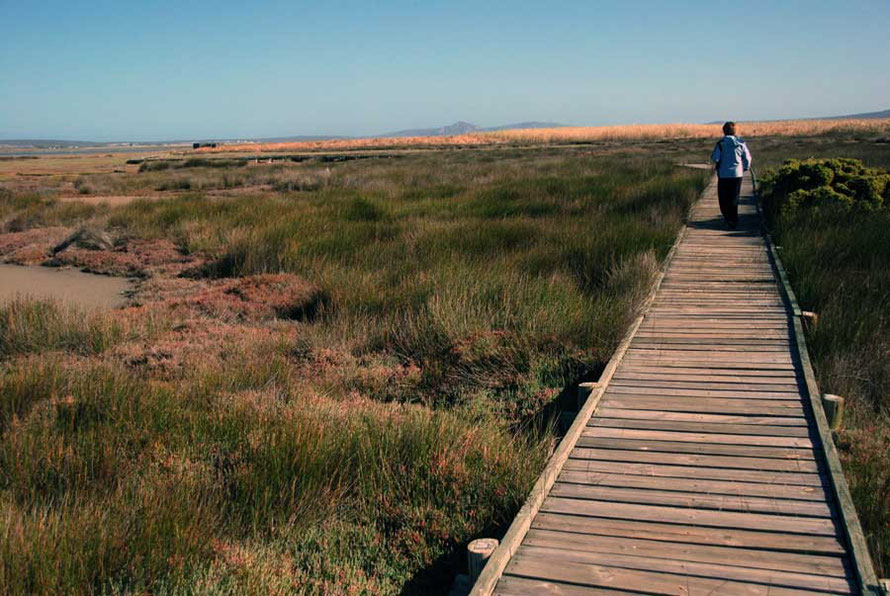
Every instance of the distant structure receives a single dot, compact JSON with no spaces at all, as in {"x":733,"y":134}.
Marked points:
{"x":199,"y":145}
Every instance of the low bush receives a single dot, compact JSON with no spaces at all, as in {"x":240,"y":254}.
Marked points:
{"x":834,"y":183}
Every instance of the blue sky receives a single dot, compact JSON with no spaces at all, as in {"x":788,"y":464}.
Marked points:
{"x":155,"y":69}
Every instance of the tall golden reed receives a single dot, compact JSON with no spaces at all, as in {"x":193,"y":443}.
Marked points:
{"x":574,"y":134}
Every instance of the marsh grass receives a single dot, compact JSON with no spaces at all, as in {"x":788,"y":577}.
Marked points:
{"x":356,"y":450}
{"x":29,"y":326}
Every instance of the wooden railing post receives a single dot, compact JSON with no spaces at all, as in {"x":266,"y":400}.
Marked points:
{"x":810,"y":318}
{"x":834,"y":410}
{"x":584,"y":391}
{"x":478,"y":552}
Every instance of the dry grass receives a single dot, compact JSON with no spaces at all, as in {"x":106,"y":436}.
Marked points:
{"x":580,"y":134}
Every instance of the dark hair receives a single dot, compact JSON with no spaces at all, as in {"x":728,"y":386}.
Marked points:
{"x":729,"y":128}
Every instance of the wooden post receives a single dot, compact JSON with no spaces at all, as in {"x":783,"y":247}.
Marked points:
{"x":834,"y":410}
{"x":811,"y":318}
{"x":478,"y":552}
{"x":584,"y":391}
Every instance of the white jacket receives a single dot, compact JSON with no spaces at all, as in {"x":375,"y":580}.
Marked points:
{"x":732,"y":157}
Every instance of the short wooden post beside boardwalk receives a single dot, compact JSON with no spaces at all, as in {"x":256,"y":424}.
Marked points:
{"x":702,"y":461}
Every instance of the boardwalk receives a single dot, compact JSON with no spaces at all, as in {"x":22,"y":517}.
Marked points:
{"x":701,"y":470}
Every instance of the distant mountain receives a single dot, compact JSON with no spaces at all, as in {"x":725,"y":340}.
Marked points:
{"x":863,"y":116}
{"x":461,"y":127}
{"x":522,"y":125}
{"x":458,"y":128}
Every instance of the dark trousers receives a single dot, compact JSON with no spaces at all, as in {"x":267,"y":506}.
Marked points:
{"x":728,"y":190}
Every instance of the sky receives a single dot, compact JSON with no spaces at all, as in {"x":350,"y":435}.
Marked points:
{"x":196,"y":69}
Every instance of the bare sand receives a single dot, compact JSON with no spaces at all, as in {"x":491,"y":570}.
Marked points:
{"x":67,"y":285}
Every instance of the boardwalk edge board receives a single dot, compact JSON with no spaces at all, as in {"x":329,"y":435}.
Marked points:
{"x":865,"y":573}
{"x":499,"y":559}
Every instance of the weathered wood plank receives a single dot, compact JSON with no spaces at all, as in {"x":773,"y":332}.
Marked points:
{"x":700,"y":427}
{"x":692,"y":437}
{"x":703,"y":405}
{"x":742,"y":557}
{"x":691,"y":382}
{"x":656,"y":583}
{"x":719,"y":502}
{"x":689,"y":570}
{"x":691,"y":534}
{"x":698,"y":517}
{"x":695,"y":485}
{"x":667,"y":392}
{"x":697,"y":472}
{"x":607,"y":412}
{"x":706,"y":374}
{"x":697,"y":448}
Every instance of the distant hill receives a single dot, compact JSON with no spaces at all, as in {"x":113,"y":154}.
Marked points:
{"x":458,"y":128}
{"x":524,"y":125}
{"x":461,"y":127}
{"x":863,"y":116}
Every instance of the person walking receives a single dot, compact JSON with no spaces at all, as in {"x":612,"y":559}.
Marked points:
{"x":733,"y":159}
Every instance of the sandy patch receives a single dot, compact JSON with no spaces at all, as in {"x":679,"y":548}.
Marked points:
{"x":68,"y":285}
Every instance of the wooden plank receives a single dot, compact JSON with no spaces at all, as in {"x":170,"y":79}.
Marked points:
{"x":718,"y":502}
{"x":697,"y":448}
{"x":692,"y":437}
{"x":696,"y":325}
{"x":693,"y":383}
{"x":689,"y":570}
{"x":697,"y":472}
{"x":681,"y":332}
{"x":700,"y":427}
{"x":607,"y":412}
{"x":715,"y":355}
{"x":654,"y":360}
{"x":603,"y":580}
{"x":742,"y":557}
{"x":725,"y":355}
{"x":740,"y":349}
{"x":699,"y":517}
{"x":695,"y":485}
{"x":690,"y":534}
{"x":667,"y":392}
{"x":705,"y":374}
{"x":757,"y":407}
